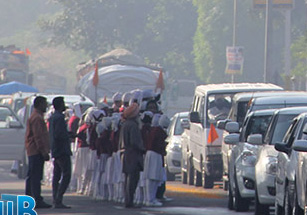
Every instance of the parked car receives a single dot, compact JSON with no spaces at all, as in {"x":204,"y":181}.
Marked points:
{"x":211,"y":103}
{"x":266,"y":164}
{"x":173,"y":149}
{"x":237,"y":114}
{"x":300,"y":189}
{"x":243,"y":158}
{"x":287,"y":163}
{"x":12,"y":133}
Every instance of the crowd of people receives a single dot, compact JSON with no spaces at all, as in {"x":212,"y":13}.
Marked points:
{"x":117,"y":152}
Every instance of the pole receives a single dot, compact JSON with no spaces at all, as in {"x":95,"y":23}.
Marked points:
{"x":96,"y":102}
{"x":267,"y":45}
{"x":287,"y":53}
{"x":234,"y":30}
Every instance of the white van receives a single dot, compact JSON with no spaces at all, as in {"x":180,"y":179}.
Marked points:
{"x":211,"y":103}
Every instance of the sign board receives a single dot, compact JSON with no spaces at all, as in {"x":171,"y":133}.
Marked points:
{"x":235,"y":59}
{"x":284,"y":4}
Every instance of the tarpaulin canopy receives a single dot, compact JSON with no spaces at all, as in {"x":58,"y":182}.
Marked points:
{"x":14,"y":86}
{"x":118,"y":78}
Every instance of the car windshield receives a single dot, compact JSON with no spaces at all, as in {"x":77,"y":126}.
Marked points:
{"x":257,"y":125}
{"x":281,"y":127}
{"x":178,"y":127}
{"x":5,"y":117}
{"x":219,"y":106}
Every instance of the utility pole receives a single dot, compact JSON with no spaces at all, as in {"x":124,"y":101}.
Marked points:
{"x":234,"y":30}
{"x":267,"y":43}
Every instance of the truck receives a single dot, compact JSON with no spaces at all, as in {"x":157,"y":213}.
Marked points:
{"x":14,"y":65}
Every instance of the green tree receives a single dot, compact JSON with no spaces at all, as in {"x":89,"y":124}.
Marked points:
{"x":299,"y":56}
{"x":160,"y":31}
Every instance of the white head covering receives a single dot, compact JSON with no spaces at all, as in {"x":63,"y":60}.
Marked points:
{"x":103,"y":125}
{"x":146,"y":113}
{"x":148,"y":94}
{"x":117,"y":97}
{"x":155,"y":120}
{"x":77,"y":109}
{"x":97,"y":115}
{"x":164,"y":121}
{"x":137,"y":96}
{"x":102,"y":105}
{"x":126,"y":97}
{"x":115,"y":121}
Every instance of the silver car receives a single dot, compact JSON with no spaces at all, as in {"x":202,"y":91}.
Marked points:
{"x":12,"y":133}
{"x":266,"y":165}
{"x":243,"y":159}
{"x":173,"y":149}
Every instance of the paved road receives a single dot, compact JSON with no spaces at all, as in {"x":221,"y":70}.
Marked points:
{"x":187,"y":200}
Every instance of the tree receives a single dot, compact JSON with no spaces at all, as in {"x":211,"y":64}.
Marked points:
{"x":161,"y":31}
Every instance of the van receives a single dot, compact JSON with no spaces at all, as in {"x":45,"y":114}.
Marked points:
{"x":211,"y":103}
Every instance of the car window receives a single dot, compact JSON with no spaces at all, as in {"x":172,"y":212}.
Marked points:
{"x":178,"y":127}
{"x":219,"y":106}
{"x":6,"y":116}
{"x":242,"y":109}
{"x":282,"y":124}
{"x":289,"y":137}
{"x":257,"y":125}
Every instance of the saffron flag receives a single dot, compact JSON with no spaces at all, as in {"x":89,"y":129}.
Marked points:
{"x":28,"y":51}
{"x":95,"y":77}
{"x":105,"y":100}
{"x":160,"y":82}
{"x":212,"y":136}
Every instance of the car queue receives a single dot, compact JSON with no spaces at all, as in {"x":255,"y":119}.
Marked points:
{"x":256,"y":144}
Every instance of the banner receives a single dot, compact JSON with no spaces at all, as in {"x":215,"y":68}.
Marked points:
{"x":235,"y":59}
{"x":285,"y":4}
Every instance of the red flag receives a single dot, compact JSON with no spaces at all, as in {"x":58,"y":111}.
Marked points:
{"x":28,"y":51}
{"x":212,"y":136}
{"x":160,"y":82}
{"x":95,"y":77}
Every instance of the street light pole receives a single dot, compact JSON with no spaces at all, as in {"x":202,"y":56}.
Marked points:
{"x":267,"y":42}
{"x":234,"y":30}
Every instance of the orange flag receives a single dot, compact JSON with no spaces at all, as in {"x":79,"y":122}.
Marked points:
{"x":105,"y":100}
{"x":160,"y":82}
{"x":28,"y":51}
{"x":95,"y":77}
{"x":212,"y":136}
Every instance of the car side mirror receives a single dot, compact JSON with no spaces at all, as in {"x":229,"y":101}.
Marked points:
{"x":194,"y":117}
{"x":221,"y":124}
{"x":300,"y":145}
{"x":232,"y":139}
{"x":281,"y":147}
{"x":14,"y":124}
{"x":232,"y":127}
{"x":255,"y":139}
{"x":185,"y":123}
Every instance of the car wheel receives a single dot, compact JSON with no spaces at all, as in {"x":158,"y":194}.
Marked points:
{"x":207,"y":181}
{"x":240,"y":204}
{"x":190,"y":172}
{"x":287,"y":204}
{"x":296,"y":208}
{"x":260,"y":209}
{"x":230,"y":198}
{"x":279,"y":210}
{"x":197,"y":178}
{"x":22,"y":168}
{"x":183,"y":177}
{"x":169,"y":176}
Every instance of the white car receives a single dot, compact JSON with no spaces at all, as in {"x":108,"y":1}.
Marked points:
{"x":173,"y":149}
{"x":266,"y":165}
{"x":291,"y":171}
{"x":287,"y":162}
{"x":300,"y":145}
{"x":243,"y":158}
